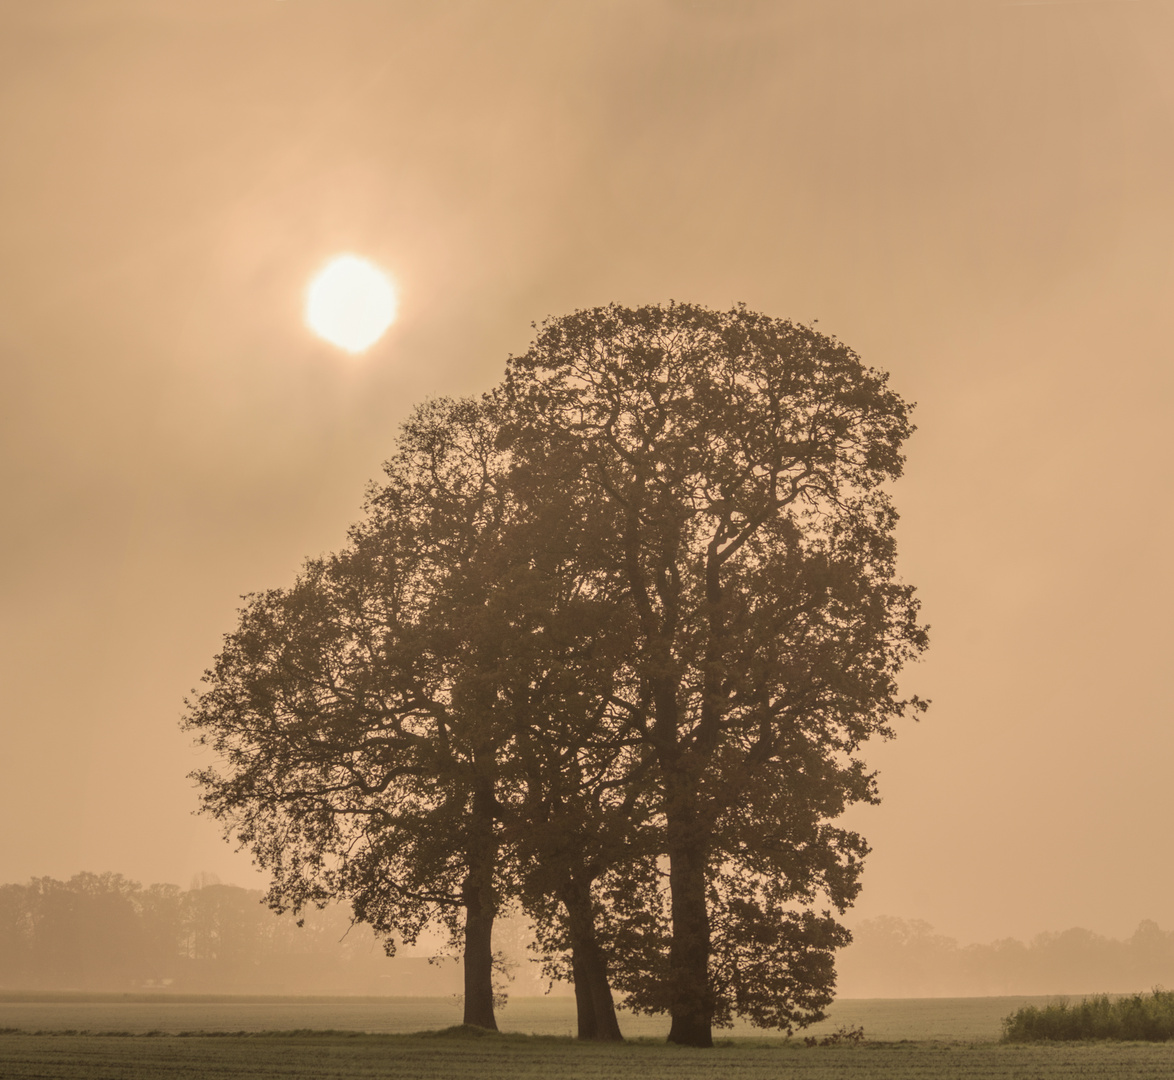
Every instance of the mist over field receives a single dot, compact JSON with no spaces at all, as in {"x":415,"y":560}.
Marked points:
{"x":103,"y":933}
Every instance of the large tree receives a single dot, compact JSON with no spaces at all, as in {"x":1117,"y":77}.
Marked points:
{"x":735,"y":462}
{"x":606,"y":644}
{"x":421,"y":725}
{"x":352,"y":717}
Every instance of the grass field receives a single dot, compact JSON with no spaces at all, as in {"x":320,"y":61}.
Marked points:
{"x":105,"y":1037}
{"x":885,"y":1019}
{"x":337,"y":1056}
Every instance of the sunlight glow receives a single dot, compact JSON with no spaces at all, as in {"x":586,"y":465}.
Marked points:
{"x":350,"y":303}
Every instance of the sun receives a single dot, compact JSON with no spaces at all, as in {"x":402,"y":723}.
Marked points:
{"x":350,"y":303}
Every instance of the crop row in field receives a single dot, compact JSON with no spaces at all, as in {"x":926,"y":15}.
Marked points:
{"x":340,"y":1056}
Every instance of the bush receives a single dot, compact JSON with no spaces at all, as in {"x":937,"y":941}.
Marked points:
{"x":853,"y":1036}
{"x":1141,"y":1017}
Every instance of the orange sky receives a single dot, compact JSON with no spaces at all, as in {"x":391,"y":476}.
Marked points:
{"x":977,"y":196}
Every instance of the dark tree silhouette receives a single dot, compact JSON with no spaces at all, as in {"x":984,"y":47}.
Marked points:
{"x":420,"y":725}
{"x":735,"y":462}
{"x":606,"y":645}
{"x":353,"y":718}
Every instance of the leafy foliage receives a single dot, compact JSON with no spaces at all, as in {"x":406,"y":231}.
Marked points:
{"x":737,"y":461}
{"x":1129,"y":1017}
{"x":419,"y":726}
{"x":607,"y":645}
{"x":355,"y":713}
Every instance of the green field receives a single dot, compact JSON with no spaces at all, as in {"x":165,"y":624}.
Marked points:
{"x":105,"y":1037}
{"x":884,"y":1019}
{"x":517,"y":1057}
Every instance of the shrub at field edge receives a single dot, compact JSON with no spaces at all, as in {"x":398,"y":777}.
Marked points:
{"x":1133,"y":1017}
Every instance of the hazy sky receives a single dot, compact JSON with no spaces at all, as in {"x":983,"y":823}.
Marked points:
{"x":976,"y":196}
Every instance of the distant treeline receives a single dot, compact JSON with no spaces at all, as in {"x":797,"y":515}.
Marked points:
{"x":102,"y":932}
{"x":892,"y":957}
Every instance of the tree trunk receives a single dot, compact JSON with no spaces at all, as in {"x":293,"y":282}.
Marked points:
{"x":584,"y":1004}
{"x":690,"y":999}
{"x":479,"y":965}
{"x":594,"y":1005}
{"x":480,"y":909}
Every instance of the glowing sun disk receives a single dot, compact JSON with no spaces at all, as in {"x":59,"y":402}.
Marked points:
{"x":350,"y":303}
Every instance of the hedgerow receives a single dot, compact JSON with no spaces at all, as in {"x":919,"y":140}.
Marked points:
{"x":1134,"y":1017}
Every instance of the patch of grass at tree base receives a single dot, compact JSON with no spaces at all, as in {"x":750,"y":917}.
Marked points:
{"x":459,"y":1031}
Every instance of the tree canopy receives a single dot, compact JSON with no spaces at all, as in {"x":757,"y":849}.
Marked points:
{"x":415,"y":725}
{"x":738,"y":460}
{"x":606,"y":645}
